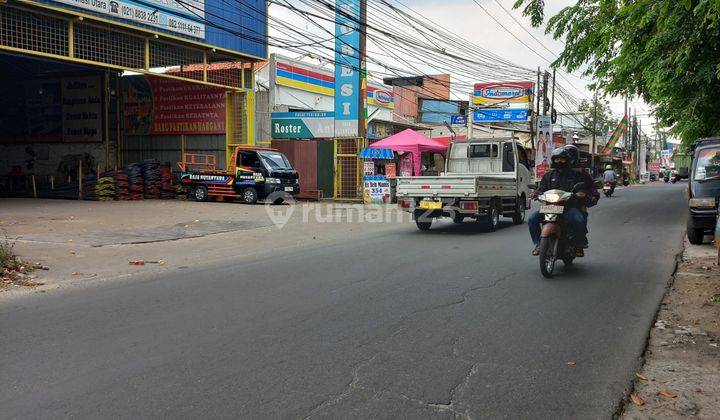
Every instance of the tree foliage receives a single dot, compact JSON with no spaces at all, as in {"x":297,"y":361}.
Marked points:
{"x":665,"y":51}
{"x":602,"y":113}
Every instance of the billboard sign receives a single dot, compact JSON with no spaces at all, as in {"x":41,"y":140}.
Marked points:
{"x":503,"y":93}
{"x":207,"y":21}
{"x":81,"y":109}
{"x":302,"y":125}
{"x":159,"y":106}
{"x":500,"y":115}
{"x":347,"y":68}
{"x":380,"y":97}
{"x":543,"y":145}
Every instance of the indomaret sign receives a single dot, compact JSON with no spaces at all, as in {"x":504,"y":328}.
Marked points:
{"x":347,"y":68}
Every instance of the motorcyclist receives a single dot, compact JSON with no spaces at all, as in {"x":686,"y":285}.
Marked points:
{"x":609,"y":176}
{"x":562,"y":177}
{"x":574,"y":154}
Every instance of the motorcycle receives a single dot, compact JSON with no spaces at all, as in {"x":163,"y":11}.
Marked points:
{"x":556,"y":243}
{"x":608,"y":188}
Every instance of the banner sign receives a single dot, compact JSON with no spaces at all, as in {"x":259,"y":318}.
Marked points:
{"x":179,"y":17}
{"x":497,"y":94}
{"x":543,"y":145}
{"x":500,"y":115}
{"x":305,"y":125}
{"x":380,"y":97}
{"x":160,"y":106}
{"x":615,"y":137}
{"x":376,"y":190}
{"x":347,"y":68}
{"x":81,"y":109}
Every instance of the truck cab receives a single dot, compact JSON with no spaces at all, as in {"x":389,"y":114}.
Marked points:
{"x":254,"y":174}
{"x":703,"y":189}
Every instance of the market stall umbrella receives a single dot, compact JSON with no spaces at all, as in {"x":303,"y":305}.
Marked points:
{"x":412,"y":142}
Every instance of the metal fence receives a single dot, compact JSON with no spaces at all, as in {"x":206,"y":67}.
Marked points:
{"x":46,"y":34}
{"x":348,"y":170}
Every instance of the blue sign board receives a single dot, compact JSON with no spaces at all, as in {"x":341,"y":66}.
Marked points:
{"x":347,"y":68}
{"x":218,"y":23}
{"x":458,"y":120}
{"x":500,"y":115}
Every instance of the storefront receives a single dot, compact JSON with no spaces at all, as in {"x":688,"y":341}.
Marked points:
{"x":87,"y":88}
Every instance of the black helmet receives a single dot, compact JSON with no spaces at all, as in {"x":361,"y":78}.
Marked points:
{"x":560,"y":152}
{"x":574,"y":154}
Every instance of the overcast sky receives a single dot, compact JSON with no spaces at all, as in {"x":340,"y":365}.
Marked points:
{"x":466,"y":18}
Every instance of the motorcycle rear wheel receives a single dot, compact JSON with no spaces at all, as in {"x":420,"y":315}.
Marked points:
{"x":548,"y":255}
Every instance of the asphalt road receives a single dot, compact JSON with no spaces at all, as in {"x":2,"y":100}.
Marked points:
{"x":454,"y":322}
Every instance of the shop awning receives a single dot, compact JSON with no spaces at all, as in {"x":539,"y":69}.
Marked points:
{"x":372,"y":153}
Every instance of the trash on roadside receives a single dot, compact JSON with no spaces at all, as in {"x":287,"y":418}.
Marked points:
{"x":143,"y":262}
{"x":137,"y":262}
{"x":666,"y":393}
{"x":637,"y":400}
{"x":641,"y":376}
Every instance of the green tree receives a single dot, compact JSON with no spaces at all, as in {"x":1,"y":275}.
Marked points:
{"x":665,"y":51}
{"x":602,"y":114}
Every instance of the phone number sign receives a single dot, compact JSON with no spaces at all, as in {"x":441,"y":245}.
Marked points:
{"x":181,"y":18}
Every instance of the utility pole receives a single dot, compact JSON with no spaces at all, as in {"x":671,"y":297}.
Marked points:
{"x":552,"y":102}
{"x":594,"y":134}
{"x":362,"y":102}
{"x":546,"y":81}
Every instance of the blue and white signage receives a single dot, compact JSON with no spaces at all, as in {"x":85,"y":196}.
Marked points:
{"x":458,"y":120}
{"x":500,"y":115}
{"x":347,"y":68}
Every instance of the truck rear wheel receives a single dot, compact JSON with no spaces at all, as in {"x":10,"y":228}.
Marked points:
{"x":492,"y":220}
{"x":249,"y":195}
{"x":423,"y":225}
{"x":200,"y":193}
{"x":519,"y":216}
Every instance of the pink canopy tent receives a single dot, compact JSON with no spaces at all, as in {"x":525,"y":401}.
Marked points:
{"x":414,"y":143}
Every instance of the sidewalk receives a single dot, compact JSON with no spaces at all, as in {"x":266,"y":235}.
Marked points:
{"x":85,"y":241}
{"x":681,"y":376}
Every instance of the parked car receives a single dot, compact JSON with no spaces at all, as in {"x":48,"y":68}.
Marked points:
{"x":704,"y":189}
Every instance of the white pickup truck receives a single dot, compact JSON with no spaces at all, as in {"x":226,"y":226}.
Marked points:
{"x":484,"y":178}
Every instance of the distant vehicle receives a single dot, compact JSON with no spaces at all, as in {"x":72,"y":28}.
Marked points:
{"x":254,"y":174}
{"x":608,"y":189}
{"x":704,"y":189}
{"x":484,"y":178}
{"x":682,"y":163}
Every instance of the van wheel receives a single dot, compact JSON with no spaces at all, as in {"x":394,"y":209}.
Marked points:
{"x":519,"y":216}
{"x":250,"y":195}
{"x":200,"y":193}
{"x":695,"y":236}
{"x":458,"y":217}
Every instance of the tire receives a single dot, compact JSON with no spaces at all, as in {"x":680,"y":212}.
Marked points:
{"x":518,"y":217}
{"x":249,"y":195}
{"x":200,"y":193}
{"x":547,"y":258}
{"x":695,"y":236}
{"x":674,"y":180}
{"x":424,"y":226}
{"x":568,"y":261}
{"x":458,"y":218}
{"x":492,"y":220}
{"x":608,"y":194}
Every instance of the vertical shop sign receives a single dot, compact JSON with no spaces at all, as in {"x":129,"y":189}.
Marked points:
{"x":347,"y":67}
{"x":81,"y":109}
